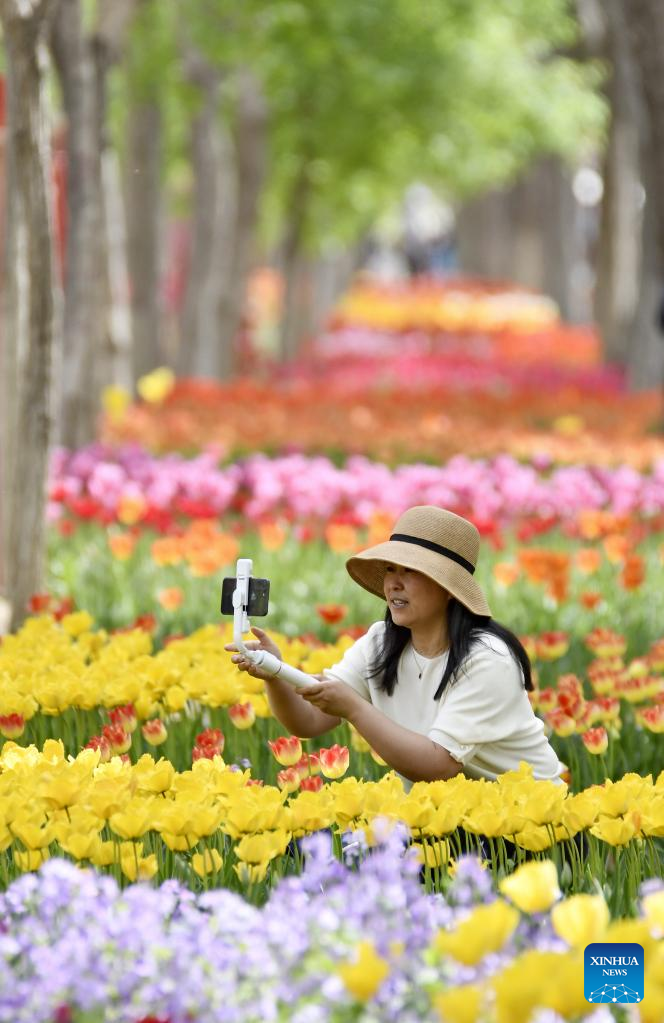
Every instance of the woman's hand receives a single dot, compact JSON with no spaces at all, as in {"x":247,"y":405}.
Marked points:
{"x":332,"y":697}
{"x":262,"y":642}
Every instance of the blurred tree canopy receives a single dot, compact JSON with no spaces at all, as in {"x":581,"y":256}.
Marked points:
{"x":362,"y":97}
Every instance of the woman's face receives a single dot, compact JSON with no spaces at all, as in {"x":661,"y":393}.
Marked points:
{"x":414,"y":600}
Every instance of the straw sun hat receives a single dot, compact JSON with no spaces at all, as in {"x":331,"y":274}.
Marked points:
{"x":438,"y":543}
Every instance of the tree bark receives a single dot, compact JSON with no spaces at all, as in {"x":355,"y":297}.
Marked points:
{"x":213,"y":222}
{"x":645,"y":25}
{"x":28,"y":348}
{"x":527,"y":234}
{"x":618,"y":251}
{"x":297,"y":285}
{"x":644,"y":20}
{"x":484,"y":237}
{"x":143,"y":191}
{"x":200,"y":301}
{"x":84,"y":293}
{"x":250,"y":149}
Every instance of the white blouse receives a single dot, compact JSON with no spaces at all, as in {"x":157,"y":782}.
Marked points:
{"x":483,"y":719}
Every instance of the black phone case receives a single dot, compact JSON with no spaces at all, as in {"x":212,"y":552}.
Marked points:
{"x":259,"y":595}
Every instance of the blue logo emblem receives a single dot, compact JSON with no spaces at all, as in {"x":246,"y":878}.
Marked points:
{"x":613,"y":972}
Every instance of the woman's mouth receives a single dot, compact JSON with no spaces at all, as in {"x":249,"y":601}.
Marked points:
{"x":396,"y":603}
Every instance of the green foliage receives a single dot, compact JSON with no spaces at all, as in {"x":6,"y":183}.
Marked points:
{"x":365,"y":97}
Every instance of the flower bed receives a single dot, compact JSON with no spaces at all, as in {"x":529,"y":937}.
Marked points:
{"x":131,"y":486}
{"x":354,"y":941}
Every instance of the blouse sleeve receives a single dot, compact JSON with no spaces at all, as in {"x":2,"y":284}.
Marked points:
{"x":484,"y":704}
{"x":353,"y":666}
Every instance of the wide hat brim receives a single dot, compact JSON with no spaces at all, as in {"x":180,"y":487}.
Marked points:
{"x":368,"y":569}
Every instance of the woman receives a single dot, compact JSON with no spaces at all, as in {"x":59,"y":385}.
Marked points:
{"x":438,"y":687}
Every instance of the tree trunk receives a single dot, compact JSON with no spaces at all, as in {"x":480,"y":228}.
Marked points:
{"x":645,"y":350}
{"x":297,"y":285}
{"x":84,"y":306}
{"x":618,"y":251}
{"x":250,"y":156}
{"x":199,"y":317}
{"x":143,"y":191}
{"x":28,"y":348}
{"x":645,"y":25}
{"x":484,"y":235}
{"x":116,"y":356}
{"x":527,"y":234}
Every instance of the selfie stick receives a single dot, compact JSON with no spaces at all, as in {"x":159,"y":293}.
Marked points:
{"x":262,"y":659}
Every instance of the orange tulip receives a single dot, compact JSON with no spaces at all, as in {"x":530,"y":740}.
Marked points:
{"x":131,"y":509}
{"x":331,"y":613}
{"x":334,"y":761}
{"x":587,"y":560}
{"x":596,"y":740}
{"x":242,"y":715}
{"x":561,"y":723}
{"x":154,"y":732}
{"x":551,"y":645}
{"x":121,"y":545}
{"x":288,"y":780}
{"x":341,"y":538}
{"x":272,"y":535}
{"x":167,"y":550}
{"x":590,"y":599}
{"x":633,"y":572}
{"x":12,"y":725}
{"x":312,"y":783}
{"x":616,"y":547}
{"x":506,"y":572}
{"x":170,"y":598}
{"x":381,"y":524}
{"x":286,"y":750}
{"x":606,"y":643}
{"x":652,"y":718}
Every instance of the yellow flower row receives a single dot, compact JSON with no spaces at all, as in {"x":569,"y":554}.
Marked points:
{"x":88,"y":807}
{"x":49,"y":667}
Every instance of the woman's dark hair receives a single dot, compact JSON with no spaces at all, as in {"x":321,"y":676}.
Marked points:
{"x":463,"y":629}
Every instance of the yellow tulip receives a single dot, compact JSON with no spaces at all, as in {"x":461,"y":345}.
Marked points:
{"x":137,"y":868}
{"x":154,"y":387}
{"x":485,"y":931}
{"x":105,"y":854}
{"x":81,"y":846}
{"x":251,"y":873}
{"x":433,"y":854}
{"x":258,"y":848}
{"x":443,"y":820}
{"x":153,"y":777}
{"x":30,"y":860}
{"x":490,"y":822}
{"x":114,"y":402}
{"x":581,"y":919}
{"x":32,"y":834}
{"x":534,"y":838}
{"x":460,"y":1004}
{"x":134,"y":820}
{"x":76,"y":623}
{"x":580,"y":811}
{"x":652,"y":818}
{"x":521,"y":987}
{"x":614,"y":831}
{"x":365,"y":974}
{"x":207,"y":862}
{"x":533,"y":887}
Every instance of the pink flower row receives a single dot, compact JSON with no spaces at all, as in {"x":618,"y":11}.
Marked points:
{"x":302,"y":487}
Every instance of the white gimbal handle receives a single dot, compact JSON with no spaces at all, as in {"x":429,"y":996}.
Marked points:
{"x":262,"y":659}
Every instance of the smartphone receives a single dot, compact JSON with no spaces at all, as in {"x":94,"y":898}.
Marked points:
{"x":259,"y":594}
